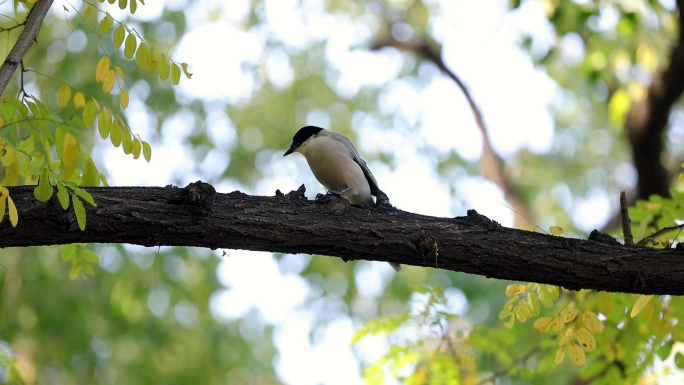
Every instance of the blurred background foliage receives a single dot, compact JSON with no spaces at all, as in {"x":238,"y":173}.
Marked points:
{"x":262,"y":70}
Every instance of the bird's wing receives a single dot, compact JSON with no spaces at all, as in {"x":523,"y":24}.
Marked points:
{"x":357,"y":158}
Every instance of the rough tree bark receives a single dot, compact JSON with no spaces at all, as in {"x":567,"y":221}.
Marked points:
{"x":198,"y":216}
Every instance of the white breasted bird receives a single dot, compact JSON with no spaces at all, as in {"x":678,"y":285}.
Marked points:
{"x":336,"y":163}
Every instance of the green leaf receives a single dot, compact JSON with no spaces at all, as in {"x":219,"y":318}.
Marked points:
{"x":43,"y":192}
{"x":142,"y":56}
{"x":679,"y":360}
{"x":152,"y":61}
{"x":88,"y":256}
{"x":175,"y":74}
{"x":134,"y":6}
{"x":83,"y":194}
{"x":119,"y":35}
{"x":147,"y":151}
{"x":89,"y":113}
{"x":123,"y":4}
{"x":68,"y":252}
{"x":63,"y":96}
{"x":185,"y":70}
{"x":63,"y":196}
{"x":21,"y":107}
{"x":164,"y":67}
{"x":105,"y":24}
{"x":664,"y":351}
{"x":131,"y":43}
{"x":91,"y":177}
{"x":135,"y":148}
{"x":80,"y":212}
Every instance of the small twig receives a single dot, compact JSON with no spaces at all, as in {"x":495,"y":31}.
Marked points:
{"x":659,"y":232}
{"x":508,"y":368}
{"x":626,"y":222}
{"x":24,"y":42}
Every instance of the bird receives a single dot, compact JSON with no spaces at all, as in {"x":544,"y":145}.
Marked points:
{"x":337,"y":165}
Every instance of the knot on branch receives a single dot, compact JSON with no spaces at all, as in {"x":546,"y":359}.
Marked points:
{"x":294,"y":194}
{"x":427,"y":247}
{"x":479,"y":219}
{"x":598,"y":236}
{"x":200,"y":194}
{"x":333,"y":200}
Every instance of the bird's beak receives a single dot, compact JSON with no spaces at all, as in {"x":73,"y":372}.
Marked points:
{"x":289,"y":151}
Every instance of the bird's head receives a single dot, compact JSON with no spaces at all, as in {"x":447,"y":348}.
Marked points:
{"x":302,"y":136}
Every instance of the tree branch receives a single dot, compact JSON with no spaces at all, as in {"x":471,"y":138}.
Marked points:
{"x":647,"y":121}
{"x":26,"y":38}
{"x":492,"y":164}
{"x":198,"y":216}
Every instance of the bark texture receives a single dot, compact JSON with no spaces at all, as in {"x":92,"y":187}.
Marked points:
{"x":330,"y":225}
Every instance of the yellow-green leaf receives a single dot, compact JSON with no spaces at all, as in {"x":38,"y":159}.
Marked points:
{"x":569,"y":315}
{"x":152,"y":61}
{"x":577,"y":355}
{"x":136,"y":147}
{"x":142,"y":55}
{"x":534,"y":303}
{"x":556,"y":230}
{"x":592,"y":322}
{"x":543,"y":324}
{"x":43,"y":191}
{"x":558,"y":324}
{"x":88,"y":11}
{"x":102,"y":68}
{"x":109,"y":81}
{"x":119,"y":35}
{"x":10,"y":156}
{"x":126,"y":141}
{"x":79,"y":100}
{"x":105,"y":24}
{"x":131,"y":43}
{"x":185,"y":70}
{"x":120,"y":72}
{"x":175,"y":74}
{"x":14,"y":217}
{"x":560,"y":355}
{"x":124,"y":98}
{"x":639,"y":305}
{"x":63,"y":196}
{"x":103,"y":125}
{"x":164,"y":67}
{"x":586,"y":340}
{"x":63,"y":96}
{"x":115,"y":133}
{"x":74,"y":271}
{"x":680,"y":178}
{"x":514,"y":289}
{"x":123,"y":4}
{"x":79,"y":210}
{"x":134,"y":6}
{"x":508,"y":324}
{"x":147,"y":151}
{"x":89,"y":113}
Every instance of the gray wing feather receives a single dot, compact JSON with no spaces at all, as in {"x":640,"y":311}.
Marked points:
{"x":357,"y":158}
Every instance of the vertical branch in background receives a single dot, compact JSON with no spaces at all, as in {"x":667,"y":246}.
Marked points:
{"x":492,"y":164}
{"x":648,"y":119}
{"x":26,"y":38}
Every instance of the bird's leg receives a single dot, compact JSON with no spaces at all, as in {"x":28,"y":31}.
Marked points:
{"x":339,"y":192}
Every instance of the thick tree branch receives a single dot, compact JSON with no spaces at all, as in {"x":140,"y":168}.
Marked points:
{"x":26,"y":38}
{"x":198,"y":216}
{"x":647,"y":121}
{"x":492,"y":164}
